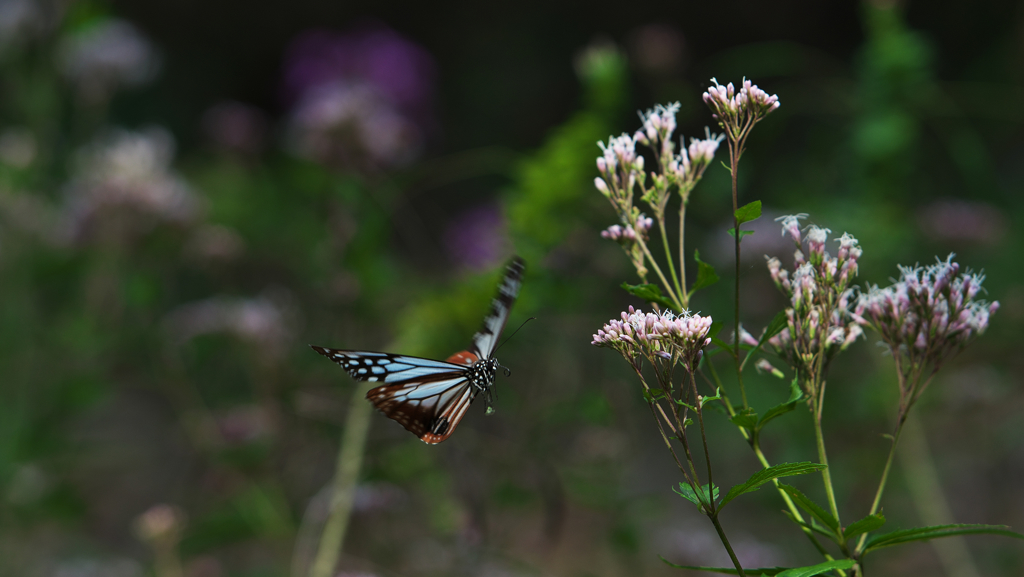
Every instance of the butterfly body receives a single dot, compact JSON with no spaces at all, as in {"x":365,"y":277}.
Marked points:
{"x":430,"y":397}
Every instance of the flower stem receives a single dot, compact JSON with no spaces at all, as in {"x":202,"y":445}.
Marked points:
{"x":671,"y":267}
{"x":728,"y":546}
{"x":823,"y":456}
{"x":350,"y":460}
{"x":734,"y":164}
{"x":682,"y":253}
{"x":885,"y":478}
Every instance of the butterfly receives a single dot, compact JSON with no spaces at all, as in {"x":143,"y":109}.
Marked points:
{"x":430,"y":397}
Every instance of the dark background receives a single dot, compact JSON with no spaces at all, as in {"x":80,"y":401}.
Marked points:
{"x":900,"y":123}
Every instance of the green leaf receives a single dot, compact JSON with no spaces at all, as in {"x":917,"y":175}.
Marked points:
{"x":819,"y":568}
{"x":748,"y":212}
{"x":811,"y":507}
{"x":727,"y":570}
{"x":779,"y":322}
{"x":813,"y":525}
{"x":650,"y":293}
{"x":934,"y":532}
{"x":743,"y":233}
{"x":796,"y":394}
{"x":747,"y":418}
{"x":651,"y":395}
{"x":765,"y":475}
{"x":722,"y":344}
{"x":865,"y":525}
{"x":686,"y":491}
{"x":706,"y":275}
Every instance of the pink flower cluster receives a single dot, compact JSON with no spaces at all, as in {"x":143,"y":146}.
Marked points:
{"x":660,"y":334}
{"x":627,"y":234}
{"x":818,"y":318}
{"x":929,"y":314}
{"x":732,"y":108}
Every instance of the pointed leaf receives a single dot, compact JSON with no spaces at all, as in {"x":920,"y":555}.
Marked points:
{"x":768,"y":571}
{"x":811,"y":507}
{"x":706,"y":275}
{"x":778,"y":322}
{"x":748,"y":212}
{"x":934,"y":532}
{"x":796,"y":394}
{"x":765,"y":475}
{"x":746,"y":418}
{"x":686,"y":491}
{"x":818,"y":569}
{"x":743,"y":233}
{"x":865,"y":525}
{"x":650,"y":293}
{"x":813,"y":526}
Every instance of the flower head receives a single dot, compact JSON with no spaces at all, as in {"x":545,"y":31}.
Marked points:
{"x":662,"y":335}
{"x":737,"y":111}
{"x":930,"y":314}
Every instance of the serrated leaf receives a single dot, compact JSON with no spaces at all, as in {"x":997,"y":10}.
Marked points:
{"x":746,"y":418}
{"x":748,"y":212}
{"x":706,"y":275}
{"x":865,"y":525}
{"x":935,"y":532}
{"x":765,"y":475}
{"x":778,"y":322}
{"x":811,"y":507}
{"x":767,"y":571}
{"x":796,"y":394}
{"x":650,"y":293}
{"x":686,"y":491}
{"x":743,"y":233}
{"x":818,"y":569}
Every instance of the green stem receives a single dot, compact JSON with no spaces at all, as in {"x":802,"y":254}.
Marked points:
{"x":734,"y":162}
{"x":350,"y":460}
{"x":885,"y":478}
{"x":671,"y":267}
{"x":682,"y":253}
{"x":657,"y":269}
{"x":728,"y":547}
{"x":823,"y":457}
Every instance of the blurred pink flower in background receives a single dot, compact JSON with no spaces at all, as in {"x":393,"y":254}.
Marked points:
{"x":962,"y":221}
{"x":266,"y":321}
{"x":478,"y":237}
{"x":106,"y":56}
{"x":360,"y":99}
{"x":236,"y":127}
{"x":128,"y":170}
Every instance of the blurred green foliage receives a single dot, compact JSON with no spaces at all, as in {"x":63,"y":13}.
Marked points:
{"x":147,"y":357}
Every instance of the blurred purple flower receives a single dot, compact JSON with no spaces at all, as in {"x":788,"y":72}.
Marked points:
{"x":962,"y":221}
{"x":359,"y":100}
{"x":397,"y":68}
{"x":236,"y":127}
{"x":478,"y":237}
{"x":350,"y":125}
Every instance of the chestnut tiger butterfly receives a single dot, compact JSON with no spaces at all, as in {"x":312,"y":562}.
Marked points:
{"x":430,"y":397}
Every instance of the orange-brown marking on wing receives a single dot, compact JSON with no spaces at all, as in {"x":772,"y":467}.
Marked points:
{"x":463,"y":358}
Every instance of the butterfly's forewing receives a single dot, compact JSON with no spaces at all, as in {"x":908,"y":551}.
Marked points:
{"x":427,"y":397}
{"x":486,"y":339}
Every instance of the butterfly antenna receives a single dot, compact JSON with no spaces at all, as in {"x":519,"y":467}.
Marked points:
{"x":513,"y":334}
